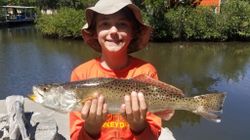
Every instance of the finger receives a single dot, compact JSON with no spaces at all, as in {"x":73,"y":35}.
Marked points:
{"x":128,"y":109}
{"x":99,"y":106}
{"x":96,"y":94}
{"x":143,"y":105}
{"x":85,"y":109}
{"x":92,"y":111}
{"x":123,"y":110}
{"x":104,"y":111}
{"x":135,"y":105}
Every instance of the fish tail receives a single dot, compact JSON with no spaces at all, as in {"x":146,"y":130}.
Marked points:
{"x":209,"y":104}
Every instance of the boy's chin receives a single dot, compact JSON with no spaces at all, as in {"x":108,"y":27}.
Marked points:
{"x":116,"y":49}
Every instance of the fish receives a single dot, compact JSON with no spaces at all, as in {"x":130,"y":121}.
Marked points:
{"x":159,"y":96}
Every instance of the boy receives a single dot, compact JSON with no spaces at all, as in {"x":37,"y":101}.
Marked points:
{"x":115,"y":28}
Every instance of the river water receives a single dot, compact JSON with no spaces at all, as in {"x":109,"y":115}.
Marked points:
{"x":26,"y":59}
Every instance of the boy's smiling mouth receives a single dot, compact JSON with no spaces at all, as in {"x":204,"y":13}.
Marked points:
{"x":114,"y":41}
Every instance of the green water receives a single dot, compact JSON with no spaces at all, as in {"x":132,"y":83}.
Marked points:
{"x":26,"y":59}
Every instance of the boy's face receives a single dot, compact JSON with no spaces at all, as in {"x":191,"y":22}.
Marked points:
{"x":114,"y":32}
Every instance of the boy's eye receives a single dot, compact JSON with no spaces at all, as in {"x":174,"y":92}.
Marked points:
{"x":123,"y":24}
{"x":103,"y":24}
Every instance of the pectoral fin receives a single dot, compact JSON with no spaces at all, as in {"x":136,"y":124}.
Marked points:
{"x":165,"y":115}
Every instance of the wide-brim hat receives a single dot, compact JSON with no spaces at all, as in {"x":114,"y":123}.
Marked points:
{"x":107,"y":7}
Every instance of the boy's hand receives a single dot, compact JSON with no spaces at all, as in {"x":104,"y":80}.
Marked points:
{"x":134,"y":111}
{"x":94,"y":113}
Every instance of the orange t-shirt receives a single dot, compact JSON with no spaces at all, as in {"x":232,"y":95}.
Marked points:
{"x":115,"y":127}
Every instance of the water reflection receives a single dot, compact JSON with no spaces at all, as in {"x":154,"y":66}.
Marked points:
{"x":194,"y":69}
{"x":199,"y":68}
{"x":26,"y":59}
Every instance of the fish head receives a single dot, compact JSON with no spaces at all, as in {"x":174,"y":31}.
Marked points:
{"x":54,"y":96}
{"x":42,"y":92}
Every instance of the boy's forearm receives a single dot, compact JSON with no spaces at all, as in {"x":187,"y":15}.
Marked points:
{"x":147,"y":133}
{"x":82,"y":135}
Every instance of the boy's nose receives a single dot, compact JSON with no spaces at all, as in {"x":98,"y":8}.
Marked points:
{"x":113,"y":29}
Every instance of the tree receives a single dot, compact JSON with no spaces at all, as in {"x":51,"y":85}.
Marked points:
{"x":3,"y":2}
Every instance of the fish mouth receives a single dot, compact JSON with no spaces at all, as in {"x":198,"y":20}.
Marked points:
{"x":32,"y":97}
{"x":36,"y":95}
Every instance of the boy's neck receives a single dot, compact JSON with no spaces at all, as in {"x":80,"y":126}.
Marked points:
{"x":115,"y":62}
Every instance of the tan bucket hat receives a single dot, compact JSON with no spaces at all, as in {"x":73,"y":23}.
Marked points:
{"x":108,"y":7}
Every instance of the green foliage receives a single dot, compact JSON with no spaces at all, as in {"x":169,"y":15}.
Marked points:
{"x":176,"y":18}
{"x":67,"y":22}
{"x":2,"y":15}
{"x":199,"y":24}
{"x":236,"y":13}
{"x":3,"y":2}
{"x":47,"y":4}
{"x":18,"y":2}
{"x":170,"y":21}
{"x":153,"y":13}
{"x":184,"y":22}
{"x":77,"y":4}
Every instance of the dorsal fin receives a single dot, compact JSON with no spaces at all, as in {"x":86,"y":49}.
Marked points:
{"x":147,"y":79}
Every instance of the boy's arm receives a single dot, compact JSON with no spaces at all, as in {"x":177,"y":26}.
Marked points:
{"x":77,"y":131}
{"x":153,"y":130}
{"x":143,"y":124}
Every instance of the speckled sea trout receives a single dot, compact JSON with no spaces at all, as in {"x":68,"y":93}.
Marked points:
{"x":159,"y":96}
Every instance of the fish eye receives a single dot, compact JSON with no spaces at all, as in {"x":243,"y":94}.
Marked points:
{"x":45,"y":89}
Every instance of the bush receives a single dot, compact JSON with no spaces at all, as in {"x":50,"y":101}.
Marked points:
{"x":236,"y":14}
{"x":199,"y":23}
{"x":153,"y":13}
{"x":67,"y":22}
{"x":180,"y":22}
{"x":188,"y":23}
{"x":176,"y":18}
{"x":202,"y":23}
